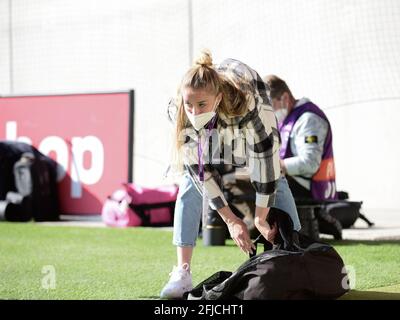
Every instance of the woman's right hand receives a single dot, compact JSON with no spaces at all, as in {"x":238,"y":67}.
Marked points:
{"x":237,"y":229}
{"x":240,"y":234}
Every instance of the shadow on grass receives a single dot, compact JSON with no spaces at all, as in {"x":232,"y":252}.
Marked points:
{"x":370,"y":295}
{"x":363,"y":242}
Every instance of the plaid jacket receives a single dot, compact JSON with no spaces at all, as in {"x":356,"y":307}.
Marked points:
{"x":250,"y":141}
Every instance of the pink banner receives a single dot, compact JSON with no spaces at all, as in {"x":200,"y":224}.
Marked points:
{"x":89,"y":135}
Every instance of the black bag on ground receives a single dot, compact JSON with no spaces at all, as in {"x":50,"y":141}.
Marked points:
{"x":317,"y":272}
{"x":16,"y":208}
{"x":295,"y":267}
{"x":29,"y":189}
{"x":35,"y":177}
{"x":10,"y":153}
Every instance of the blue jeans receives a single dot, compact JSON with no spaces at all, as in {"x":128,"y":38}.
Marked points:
{"x":188,"y":210}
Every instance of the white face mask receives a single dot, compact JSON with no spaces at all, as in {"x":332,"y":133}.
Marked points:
{"x":281,"y":114}
{"x":200,"y":120}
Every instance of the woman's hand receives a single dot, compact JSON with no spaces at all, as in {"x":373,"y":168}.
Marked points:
{"x":240,"y":234}
{"x":260,"y":221}
{"x":237,"y":229}
{"x":271,"y":233}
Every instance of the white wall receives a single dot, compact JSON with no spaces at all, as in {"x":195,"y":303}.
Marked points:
{"x":84,"y":46}
{"x":4,"y":48}
{"x":342,"y":54}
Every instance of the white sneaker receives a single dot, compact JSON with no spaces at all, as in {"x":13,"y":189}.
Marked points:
{"x":179,"y":283}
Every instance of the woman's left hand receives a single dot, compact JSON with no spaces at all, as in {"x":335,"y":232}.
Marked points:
{"x":260,"y":221}
{"x":271,"y":233}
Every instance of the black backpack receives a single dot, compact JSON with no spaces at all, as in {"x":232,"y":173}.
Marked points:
{"x":28,"y":184}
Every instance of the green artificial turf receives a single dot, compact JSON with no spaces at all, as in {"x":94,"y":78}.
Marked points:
{"x":134,"y":263}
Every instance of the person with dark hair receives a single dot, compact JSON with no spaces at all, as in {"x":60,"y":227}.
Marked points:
{"x":222,"y":115}
{"x":306,"y":149}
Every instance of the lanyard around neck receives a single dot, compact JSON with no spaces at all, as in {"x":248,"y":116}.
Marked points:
{"x":201,"y":148}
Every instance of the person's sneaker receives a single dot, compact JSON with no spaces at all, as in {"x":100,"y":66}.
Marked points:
{"x":179,"y":283}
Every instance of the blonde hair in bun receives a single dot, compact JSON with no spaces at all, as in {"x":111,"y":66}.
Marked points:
{"x":203,"y":76}
{"x":204,"y":59}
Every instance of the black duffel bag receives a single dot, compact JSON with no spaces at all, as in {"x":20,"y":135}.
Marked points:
{"x":294,"y":267}
{"x":316,"y":272}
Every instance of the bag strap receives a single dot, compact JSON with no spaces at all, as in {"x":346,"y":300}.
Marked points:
{"x":364,"y":218}
{"x":260,"y":240}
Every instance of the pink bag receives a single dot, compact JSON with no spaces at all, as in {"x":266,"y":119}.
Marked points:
{"x":133,"y":206}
